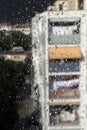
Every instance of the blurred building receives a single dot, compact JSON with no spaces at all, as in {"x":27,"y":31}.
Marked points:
{"x":25,"y":30}
{"x":7,"y":28}
{"x":67,"y":5}
{"x":60,"y":62}
{"x":15,"y":57}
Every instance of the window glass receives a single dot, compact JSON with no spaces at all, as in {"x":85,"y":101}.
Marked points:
{"x":60,"y":7}
{"x":81,"y":4}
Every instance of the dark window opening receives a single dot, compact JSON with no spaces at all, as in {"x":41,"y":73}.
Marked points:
{"x":81,"y":4}
{"x":60,"y":7}
{"x":64,"y":23}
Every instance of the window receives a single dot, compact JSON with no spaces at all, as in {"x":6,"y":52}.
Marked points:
{"x":64,"y":87}
{"x":64,"y":32}
{"x":60,"y":7}
{"x":81,"y":4}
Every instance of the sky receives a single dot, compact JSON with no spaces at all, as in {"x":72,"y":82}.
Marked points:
{"x":21,"y":11}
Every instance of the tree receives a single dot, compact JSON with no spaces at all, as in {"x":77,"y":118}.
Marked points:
{"x":15,"y":39}
{"x":11,"y":82}
{"x":5,"y":41}
{"x":20,"y":39}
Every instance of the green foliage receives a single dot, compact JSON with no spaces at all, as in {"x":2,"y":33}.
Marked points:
{"x":14,"y":39}
{"x":20,"y":39}
{"x":5,"y":41}
{"x":11,"y":81}
{"x":11,"y":74}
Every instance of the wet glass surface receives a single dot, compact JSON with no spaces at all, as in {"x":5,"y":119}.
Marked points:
{"x":38,"y":92}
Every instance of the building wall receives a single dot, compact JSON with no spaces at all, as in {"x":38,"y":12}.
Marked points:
{"x":85,"y":4}
{"x":40,"y":60}
{"x":67,"y":5}
{"x":73,"y":4}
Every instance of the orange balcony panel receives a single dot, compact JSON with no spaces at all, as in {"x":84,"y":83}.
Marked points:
{"x":64,"y":53}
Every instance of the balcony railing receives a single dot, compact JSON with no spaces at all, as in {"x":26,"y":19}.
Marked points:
{"x":64,"y":93}
{"x":64,"y":116}
{"x":64,"y":88}
{"x":73,"y":66}
{"x":64,"y":39}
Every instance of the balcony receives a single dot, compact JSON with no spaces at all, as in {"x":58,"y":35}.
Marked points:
{"x":64,"y":87}
{"x":64,"y":115}
{"x":64,"y":66}
{"x":64,"y":32}
{"x":64,"y":93}
{"x":64,"y":39}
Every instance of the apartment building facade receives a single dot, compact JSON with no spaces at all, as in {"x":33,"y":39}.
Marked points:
{"x":60,"y":62}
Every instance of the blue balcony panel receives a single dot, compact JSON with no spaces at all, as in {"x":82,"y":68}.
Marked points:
{"x":64,"y":67}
